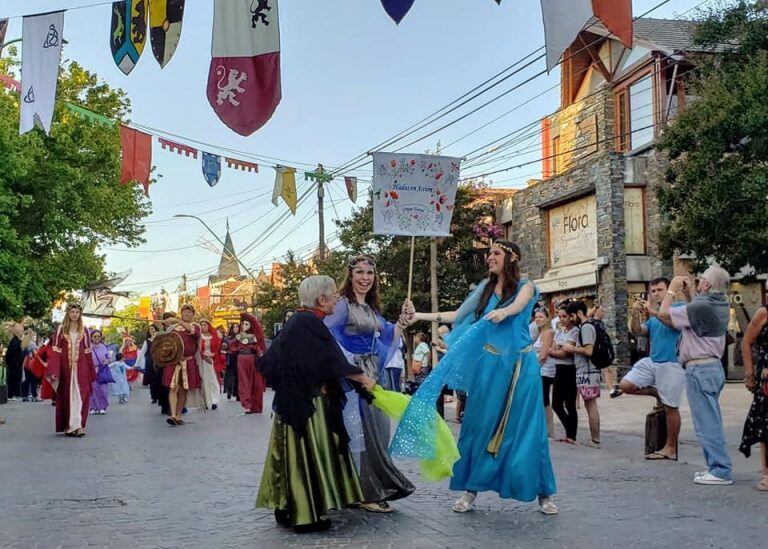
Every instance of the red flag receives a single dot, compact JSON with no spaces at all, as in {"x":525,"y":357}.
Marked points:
{"x":137,"y":157}
{"x":617,"y":17}
{"x":244,"y":75}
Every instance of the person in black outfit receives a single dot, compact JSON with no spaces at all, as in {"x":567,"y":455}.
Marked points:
{"x":564,"y":390}
{"x":14,"y":358}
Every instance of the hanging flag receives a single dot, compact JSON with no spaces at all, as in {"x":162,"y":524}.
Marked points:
{"x":128,"y":32}
{"x":145,"y":307}
{"x":3,"y":30}
{"x":397,"y":9}
{"x":211,"y":168}
{"x":565,"y":19}
{"x":242,"y":165}
{"x":244,"y":75}
{"x":165,"y":18}
{"x":91,"y":116}
{"x":40,"y":55}
{"x":137,"y":156}
{"x":285,"y":186}
{"x":351,"y":183}
{"x":177,"y":147}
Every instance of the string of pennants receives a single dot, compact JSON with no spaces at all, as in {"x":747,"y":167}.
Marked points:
{"x":137,"y":157}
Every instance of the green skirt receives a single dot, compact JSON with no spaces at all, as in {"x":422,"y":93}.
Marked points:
{"x":307,"y":476}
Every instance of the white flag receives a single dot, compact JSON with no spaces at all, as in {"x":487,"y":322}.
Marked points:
{"x":414,"y":194}
{"x":40,"y":55}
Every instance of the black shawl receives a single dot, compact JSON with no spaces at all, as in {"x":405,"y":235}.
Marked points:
{"x":301,"y":359}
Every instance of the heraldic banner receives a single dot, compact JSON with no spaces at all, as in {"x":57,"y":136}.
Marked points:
{"x":414,"y":194}
{"x":244,"y":75}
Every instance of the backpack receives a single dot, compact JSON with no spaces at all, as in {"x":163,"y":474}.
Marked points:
{"x":603,"y":353}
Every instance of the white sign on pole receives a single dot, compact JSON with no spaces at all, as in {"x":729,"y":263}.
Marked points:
{"x":414,"y":194}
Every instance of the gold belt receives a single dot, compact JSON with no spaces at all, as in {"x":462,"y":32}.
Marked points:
{"x":495,"y":444}
{"x":181,"y":367}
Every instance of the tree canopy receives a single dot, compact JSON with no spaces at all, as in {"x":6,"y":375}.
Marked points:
{"x":60,"y":195}
{"x":717,"y":197}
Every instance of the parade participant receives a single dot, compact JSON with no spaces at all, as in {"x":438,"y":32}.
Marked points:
{"x":545,"y":339}
{"x":210,"y":345}
{"x":71,"y":373}
{"x":703,"y":324}
{"x":756,"y":381}
{"x":42,"y":356}
{"x":660,"y":374}
{"x":130,"y":354}
{"x":503,"y":440}
{"x":250,"y":382}
{"x":152,"y":377}
{"x":101,"y":359}
{"x":308,"y":469}
{"x":368,"y":341}
{"x":220,"y":358}
{"x":184,"y":376}
{"x":232,"y":348}
{"x":588,"y":376}
{"x":14,"y":359}
{"x":120,"y":387}
{"x":31,"y":381}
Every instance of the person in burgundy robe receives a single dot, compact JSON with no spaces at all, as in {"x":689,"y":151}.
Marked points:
{"x":250,"y":382}
{"x":70,"y":373}
{"x":184,"y":376}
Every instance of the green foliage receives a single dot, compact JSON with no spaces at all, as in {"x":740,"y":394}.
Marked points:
{"x":716,"y":199}
{"x":60,"y":195}
{"x":127,"y":321}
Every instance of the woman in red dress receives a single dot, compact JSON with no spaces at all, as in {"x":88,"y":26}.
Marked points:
{"x":250,"y":382}
{"x":70,"y":373}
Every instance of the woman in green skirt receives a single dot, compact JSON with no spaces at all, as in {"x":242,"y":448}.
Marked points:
{"x":309,"y":469}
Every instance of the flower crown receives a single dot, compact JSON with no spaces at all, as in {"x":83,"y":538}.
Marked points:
{"x":357,"y":260}
{"x":512,"y":253}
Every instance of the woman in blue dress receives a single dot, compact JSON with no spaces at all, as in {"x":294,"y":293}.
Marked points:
{"x":503,"y":441}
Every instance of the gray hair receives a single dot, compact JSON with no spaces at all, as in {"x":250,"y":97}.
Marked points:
{"x":313,"y":287}
{"x":718,"y":278}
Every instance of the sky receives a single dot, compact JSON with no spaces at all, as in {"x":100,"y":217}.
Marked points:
{"x":351,"y":79}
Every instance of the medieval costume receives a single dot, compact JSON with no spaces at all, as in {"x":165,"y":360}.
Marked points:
{"x":183,"y":376}
{"x":231,"y":346}
{"x":210,"y":346}
{"x":120,"y":387}
{"x":367,"y":341}
{"x":71,"y":373}
{"x":250,"y":382}
{"x":130,"y":354}
{"x":152,"y":377}
{"x":220,"y":358}
{"x":503,"y":442}
{"x":99,"y":391}
{"x":308,"y":469}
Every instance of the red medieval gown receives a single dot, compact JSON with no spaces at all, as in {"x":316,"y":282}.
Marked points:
{"x":188,"y":368}
{"x":68,"y":358}
{"x":250,"y":382}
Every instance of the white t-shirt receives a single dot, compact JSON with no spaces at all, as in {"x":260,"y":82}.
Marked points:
{"x":421,"y":352}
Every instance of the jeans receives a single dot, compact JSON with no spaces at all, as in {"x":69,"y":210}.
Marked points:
{"x":29,"y":385}
{"x":705,"y":382}
{"x":392,"y":379}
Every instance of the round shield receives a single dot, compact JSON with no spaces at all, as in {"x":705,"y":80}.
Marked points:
{"x":167,"y":349}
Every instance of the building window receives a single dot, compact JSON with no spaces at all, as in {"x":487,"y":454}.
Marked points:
{"x":556,"y":155}
{"x":634,"y":116}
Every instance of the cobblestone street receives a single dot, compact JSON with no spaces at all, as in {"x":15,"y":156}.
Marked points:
{"x":119,"y":487}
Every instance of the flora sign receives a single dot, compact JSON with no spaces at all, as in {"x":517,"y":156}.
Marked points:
{"x":414,"y":194}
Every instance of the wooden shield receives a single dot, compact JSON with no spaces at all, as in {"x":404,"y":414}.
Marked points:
{"x":165,"y":19}
{"x":128,"y":32}
{"x":167,"y":349}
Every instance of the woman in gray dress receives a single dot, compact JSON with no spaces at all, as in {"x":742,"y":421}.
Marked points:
{"x":368,"y":340}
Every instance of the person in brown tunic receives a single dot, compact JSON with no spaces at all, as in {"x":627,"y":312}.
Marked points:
{"x":184,"y":376}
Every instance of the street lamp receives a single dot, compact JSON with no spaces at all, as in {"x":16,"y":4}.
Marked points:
{"x":220,"y":241}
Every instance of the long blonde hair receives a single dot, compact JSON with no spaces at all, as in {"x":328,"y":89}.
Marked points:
{"x":66,"y":326}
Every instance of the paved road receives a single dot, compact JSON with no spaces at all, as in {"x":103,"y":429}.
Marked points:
{"x":119,"y":487}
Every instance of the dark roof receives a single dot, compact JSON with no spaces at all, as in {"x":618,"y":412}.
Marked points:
{"x":671,"y":35}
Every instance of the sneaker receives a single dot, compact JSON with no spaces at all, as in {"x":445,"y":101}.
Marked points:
{"x":616,"y":393}
{"x":547,"y":505}
{"x":709,"y":479}
{"x":698,"y":474}
{"x":25,"y":399}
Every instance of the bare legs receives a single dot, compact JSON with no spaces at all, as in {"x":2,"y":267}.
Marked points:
{"x":594,"y":419}
{"x":177,"y":398}
{"x":550,"y":421}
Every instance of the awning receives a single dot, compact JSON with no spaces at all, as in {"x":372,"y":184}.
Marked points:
{"x":568,"y":277}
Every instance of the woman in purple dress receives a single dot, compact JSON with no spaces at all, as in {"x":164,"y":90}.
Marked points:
{"x":101,"y":359}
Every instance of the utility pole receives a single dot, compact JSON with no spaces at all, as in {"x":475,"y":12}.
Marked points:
{"x":320,"y":197}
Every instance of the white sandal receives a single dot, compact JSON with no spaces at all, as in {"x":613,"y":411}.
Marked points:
{"x":465,"y":503}
{"x":547,"y":505}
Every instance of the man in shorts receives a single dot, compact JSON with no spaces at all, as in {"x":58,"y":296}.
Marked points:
{"x":659,"y":375}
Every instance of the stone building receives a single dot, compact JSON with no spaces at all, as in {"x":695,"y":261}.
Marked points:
{"x":588,"y":228}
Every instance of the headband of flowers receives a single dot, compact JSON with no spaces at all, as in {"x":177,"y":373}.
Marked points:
{"x":363,"y":259}
{"x":74,"y":306}
{"x":512,"y":253}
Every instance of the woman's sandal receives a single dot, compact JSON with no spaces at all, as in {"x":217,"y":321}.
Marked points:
{"x":763,"y":484}
{"x":547,"y":505}
{"x":377,"y":507}
{"x":465,"y":503}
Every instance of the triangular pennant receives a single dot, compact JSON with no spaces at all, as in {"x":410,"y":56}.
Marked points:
{"x":397,"y":9}
{"x":165,"y":21}
{"x":128,"y":33}
{"x":244,"y":76}
{"x":351,"y":183}
{"x":137,"y":157}
{"x":40,"y":55}
{"x":211,"y":168}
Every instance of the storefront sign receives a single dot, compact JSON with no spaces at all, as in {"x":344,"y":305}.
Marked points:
{"x":573,"y":232}
{"x":634,"y":221}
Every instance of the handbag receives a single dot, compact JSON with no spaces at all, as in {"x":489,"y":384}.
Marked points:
{"x":104,"y":375}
